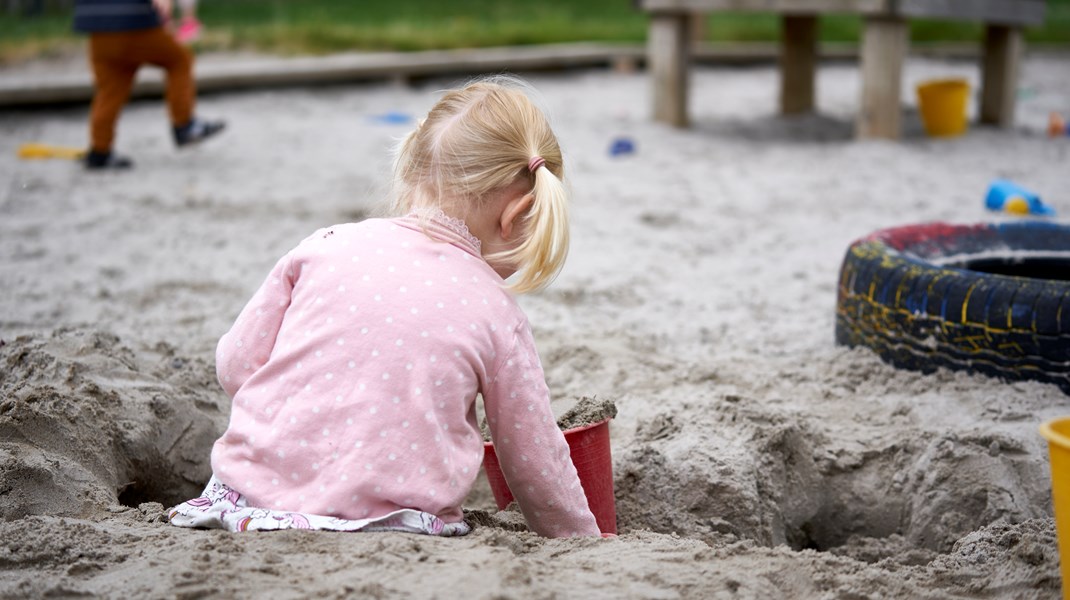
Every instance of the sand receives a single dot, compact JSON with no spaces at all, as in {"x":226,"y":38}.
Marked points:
{"x":753,"y":457}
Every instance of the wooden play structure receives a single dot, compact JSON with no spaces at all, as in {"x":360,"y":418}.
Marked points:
{"x":885,"y":41}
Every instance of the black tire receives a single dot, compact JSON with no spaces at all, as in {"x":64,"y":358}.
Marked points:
{"x":939,"y":295}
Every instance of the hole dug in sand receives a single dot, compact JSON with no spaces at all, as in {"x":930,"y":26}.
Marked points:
{"x":85,"y":426}
{"x":779,"y":479}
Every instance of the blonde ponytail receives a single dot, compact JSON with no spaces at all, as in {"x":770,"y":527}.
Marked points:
{"x":543,"y":252}
{"x":476,"y":142}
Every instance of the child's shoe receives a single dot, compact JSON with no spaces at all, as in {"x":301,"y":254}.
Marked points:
{"x":196,"y":131}
{"x":189,"y":31}
{"x":98,"y":161}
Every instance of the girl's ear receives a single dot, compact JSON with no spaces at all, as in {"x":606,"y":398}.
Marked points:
{"x":514,"y":208}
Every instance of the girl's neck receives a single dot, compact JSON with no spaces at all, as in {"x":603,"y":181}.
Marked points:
{"x":442,"y":218}
{"x":485,"y":227}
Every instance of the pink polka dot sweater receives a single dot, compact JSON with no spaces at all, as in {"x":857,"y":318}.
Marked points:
{"x":354,"y":372}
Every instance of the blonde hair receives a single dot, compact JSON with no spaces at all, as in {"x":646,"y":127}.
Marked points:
{"x":475,"y":142}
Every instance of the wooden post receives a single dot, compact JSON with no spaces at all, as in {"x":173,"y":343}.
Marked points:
{"x":699,"y":28}
{"x":999,"y":74}
{"x":668,"y":56}
{"x":884,"y":48}
{"x":624,"y":64}
{"x":798,"y":63}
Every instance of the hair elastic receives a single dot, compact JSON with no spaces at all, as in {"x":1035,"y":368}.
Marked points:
{"x":535,"y":163}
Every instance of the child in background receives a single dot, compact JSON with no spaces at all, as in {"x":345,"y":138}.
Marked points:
{"x":125,"y":35}
{"x":354,"y":369}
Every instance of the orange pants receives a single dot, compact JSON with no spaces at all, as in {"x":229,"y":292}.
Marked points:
{"x":116,"y":57}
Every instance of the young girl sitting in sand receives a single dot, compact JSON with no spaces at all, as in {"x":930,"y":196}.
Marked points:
{"x":354,"y":369}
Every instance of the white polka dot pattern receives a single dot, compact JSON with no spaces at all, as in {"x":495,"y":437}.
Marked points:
{"x":354,"y":371}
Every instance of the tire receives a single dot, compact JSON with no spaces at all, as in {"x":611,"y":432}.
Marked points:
{"x":989,"y":298}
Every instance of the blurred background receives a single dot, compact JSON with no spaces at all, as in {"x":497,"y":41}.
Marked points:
{"x":41,"y":28}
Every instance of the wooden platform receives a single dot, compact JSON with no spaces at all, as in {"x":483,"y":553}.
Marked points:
{"x":885,"y":41}
{"x":71,"y":82}
{"x":217,"y":74}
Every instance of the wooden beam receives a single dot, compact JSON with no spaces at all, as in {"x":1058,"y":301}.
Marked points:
{"x":668,"y":47}
{"x":1004,"y":12}
{"x":798,"y":63}
{"x":222,"y":73}
{"x":884,"y":48}
{"x":781,"y":6}
{"x":999,"y":74}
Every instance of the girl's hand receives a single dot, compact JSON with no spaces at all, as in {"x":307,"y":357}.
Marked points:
{"x":164,"y":8}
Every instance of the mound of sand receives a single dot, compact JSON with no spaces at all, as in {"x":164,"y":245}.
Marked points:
{"x":753,"y":457}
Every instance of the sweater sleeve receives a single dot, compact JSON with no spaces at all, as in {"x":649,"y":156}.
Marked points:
{"x":530,"y":448}
{"x":249,"y":343}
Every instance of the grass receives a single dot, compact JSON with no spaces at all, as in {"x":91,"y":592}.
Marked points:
{"x":324,"y":26}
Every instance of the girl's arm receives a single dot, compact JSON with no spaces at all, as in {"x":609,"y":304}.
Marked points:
{"x":531,"y":449}
{"x":248,"y":344}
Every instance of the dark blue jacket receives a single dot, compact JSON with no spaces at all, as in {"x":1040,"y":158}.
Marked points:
{"x":114,"y":15}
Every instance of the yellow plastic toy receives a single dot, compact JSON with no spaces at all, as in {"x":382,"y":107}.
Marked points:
{"x":35,"y":151}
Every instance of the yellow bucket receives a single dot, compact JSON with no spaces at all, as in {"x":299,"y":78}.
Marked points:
{"x":1057,"y":432}
{"x":942,"y":103}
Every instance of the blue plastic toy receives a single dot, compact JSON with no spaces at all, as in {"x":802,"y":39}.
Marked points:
{"x":1010,"y":197}
{"x":393,"y":118}
{"x":622,"y":146}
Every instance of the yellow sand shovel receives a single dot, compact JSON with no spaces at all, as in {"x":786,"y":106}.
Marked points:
{"x":34,"y":151}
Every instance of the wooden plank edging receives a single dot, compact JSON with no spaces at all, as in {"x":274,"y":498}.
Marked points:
{"x":36,"y":90}
{"x":331,"y":69}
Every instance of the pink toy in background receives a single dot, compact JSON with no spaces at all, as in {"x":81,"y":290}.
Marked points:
{"x":189,"y":27}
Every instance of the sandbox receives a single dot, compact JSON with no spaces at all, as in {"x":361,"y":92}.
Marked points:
{"x":907,"y":501}
{"x":753,"y":457}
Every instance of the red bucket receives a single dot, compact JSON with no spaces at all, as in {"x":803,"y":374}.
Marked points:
{"x":589,"y":449}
